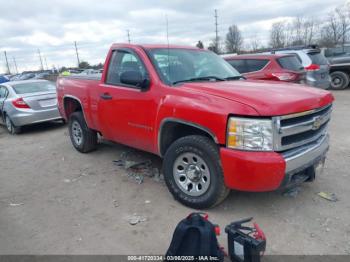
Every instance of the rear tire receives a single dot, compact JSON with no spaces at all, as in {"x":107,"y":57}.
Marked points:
{"x":340,"y":80}
{"x":10,"y":127}
{"x":83,"y":138}
{"x":193,"y":173}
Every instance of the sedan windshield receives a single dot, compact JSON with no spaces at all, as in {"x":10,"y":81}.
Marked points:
{"x":33,"y":87}
{"x":176,"y":65}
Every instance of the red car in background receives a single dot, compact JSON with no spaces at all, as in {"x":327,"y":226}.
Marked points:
{"x":277,"y":67}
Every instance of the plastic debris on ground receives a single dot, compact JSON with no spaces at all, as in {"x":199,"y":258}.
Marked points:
{"x":328,"y":196}
{"x":67,"y":180}
{"x":115,"y":203}
{"x":136,"y":219}
{"x":138,"y":169}
{"x":15,"y":204}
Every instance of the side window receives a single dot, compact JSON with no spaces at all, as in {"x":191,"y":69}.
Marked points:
{"x":3,"y":92}
{"x":256,"y":64}
{"x":123,"y":61}
{"x":239,"y":65}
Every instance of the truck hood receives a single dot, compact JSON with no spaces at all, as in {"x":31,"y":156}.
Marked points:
{"x":268,"y":98}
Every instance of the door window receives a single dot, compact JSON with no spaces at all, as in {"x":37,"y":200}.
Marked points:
{"x":3,"y":92}
{"x":256,"y":64}
{"x":123,"y":61}
{"x":239,"y":65}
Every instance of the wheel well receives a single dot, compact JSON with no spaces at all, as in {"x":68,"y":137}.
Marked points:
{"x":171,"y":131}
{"x":71,"y":105}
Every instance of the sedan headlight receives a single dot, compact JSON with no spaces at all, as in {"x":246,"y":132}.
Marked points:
{"x":250,"y":134}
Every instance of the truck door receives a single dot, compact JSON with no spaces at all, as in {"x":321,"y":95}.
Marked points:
{"x":126,"y":113}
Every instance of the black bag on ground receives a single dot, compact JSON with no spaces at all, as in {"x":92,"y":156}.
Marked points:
{"x":195,"y":236}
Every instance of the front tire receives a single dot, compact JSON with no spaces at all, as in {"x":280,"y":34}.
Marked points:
{"x":83,"y":138}
{"x":10,"y":127}
{"x":340,"y":80}
{"x":193,"y":173}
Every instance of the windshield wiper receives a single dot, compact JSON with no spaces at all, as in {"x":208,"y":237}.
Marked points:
{"x":208,"y":78}
{"x":234,"y":77}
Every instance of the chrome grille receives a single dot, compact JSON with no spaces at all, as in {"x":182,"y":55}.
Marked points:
{"x":301,"y":128}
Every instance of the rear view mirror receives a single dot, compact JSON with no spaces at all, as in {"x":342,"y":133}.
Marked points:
{"x":134,"y":78}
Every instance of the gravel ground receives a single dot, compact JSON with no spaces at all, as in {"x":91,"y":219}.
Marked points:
{"x":54,"y":200}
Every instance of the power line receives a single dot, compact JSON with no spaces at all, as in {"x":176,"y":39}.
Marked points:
{"x":7,"y":63}
{"x":41,"y":60}
{"x":76,"y":51}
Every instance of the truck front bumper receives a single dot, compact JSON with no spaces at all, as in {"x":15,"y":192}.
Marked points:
{"x":268,"y":171}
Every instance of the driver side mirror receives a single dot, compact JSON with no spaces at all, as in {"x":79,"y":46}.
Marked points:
{"x":135,"y":78}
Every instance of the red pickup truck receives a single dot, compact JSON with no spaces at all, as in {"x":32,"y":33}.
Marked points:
{"x":215,"y":130}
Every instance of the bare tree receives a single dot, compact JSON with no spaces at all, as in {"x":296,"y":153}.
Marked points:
{"x":336,"y":28}
{"x":344,"y":24}
{"x":200,"y":44}
{"x":277,"y":35}
{"x":302,"y":31}
{"x":215,"y":45}
{"x":234,"y":39}
{"x":254,"y":43}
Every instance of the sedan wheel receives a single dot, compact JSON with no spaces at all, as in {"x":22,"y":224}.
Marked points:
{"x":8,"y":124}
{"x":10,"y":127}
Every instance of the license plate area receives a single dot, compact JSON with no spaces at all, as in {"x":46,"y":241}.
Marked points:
{"x":48,"y":102}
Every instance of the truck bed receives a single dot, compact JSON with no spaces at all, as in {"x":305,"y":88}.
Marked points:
{"x":86,"y":77}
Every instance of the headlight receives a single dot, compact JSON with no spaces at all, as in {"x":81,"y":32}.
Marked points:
{"x":249,"y":134}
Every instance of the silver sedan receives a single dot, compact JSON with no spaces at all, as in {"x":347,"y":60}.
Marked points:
{"x":27,"y":102}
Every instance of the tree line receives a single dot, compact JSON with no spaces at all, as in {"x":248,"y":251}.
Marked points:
{"x":329,"y":31}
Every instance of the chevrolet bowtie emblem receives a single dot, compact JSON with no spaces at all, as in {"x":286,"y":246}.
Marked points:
{"x":317,"y":123}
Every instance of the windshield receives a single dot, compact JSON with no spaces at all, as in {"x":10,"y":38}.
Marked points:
{"x":177,"y":65}
{"x":33,"y":87}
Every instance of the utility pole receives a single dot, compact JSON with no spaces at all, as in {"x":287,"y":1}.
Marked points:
{"x":76,"y":51}
{"x":216,"y":31}
{"x":7,"y":63}
{"x":128,"y":32}
{"x":47,"y":68}
{"x":41,"y":60}
{"x":14,"y":61}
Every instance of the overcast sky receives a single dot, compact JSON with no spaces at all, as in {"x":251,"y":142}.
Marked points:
{"x":53,"y":26}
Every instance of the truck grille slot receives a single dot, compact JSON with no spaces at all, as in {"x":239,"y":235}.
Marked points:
{"x":303,"y":136}
{"x":299,"y":129}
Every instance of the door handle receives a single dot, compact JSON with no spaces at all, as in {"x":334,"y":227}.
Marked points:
{"x":106,"y":96}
